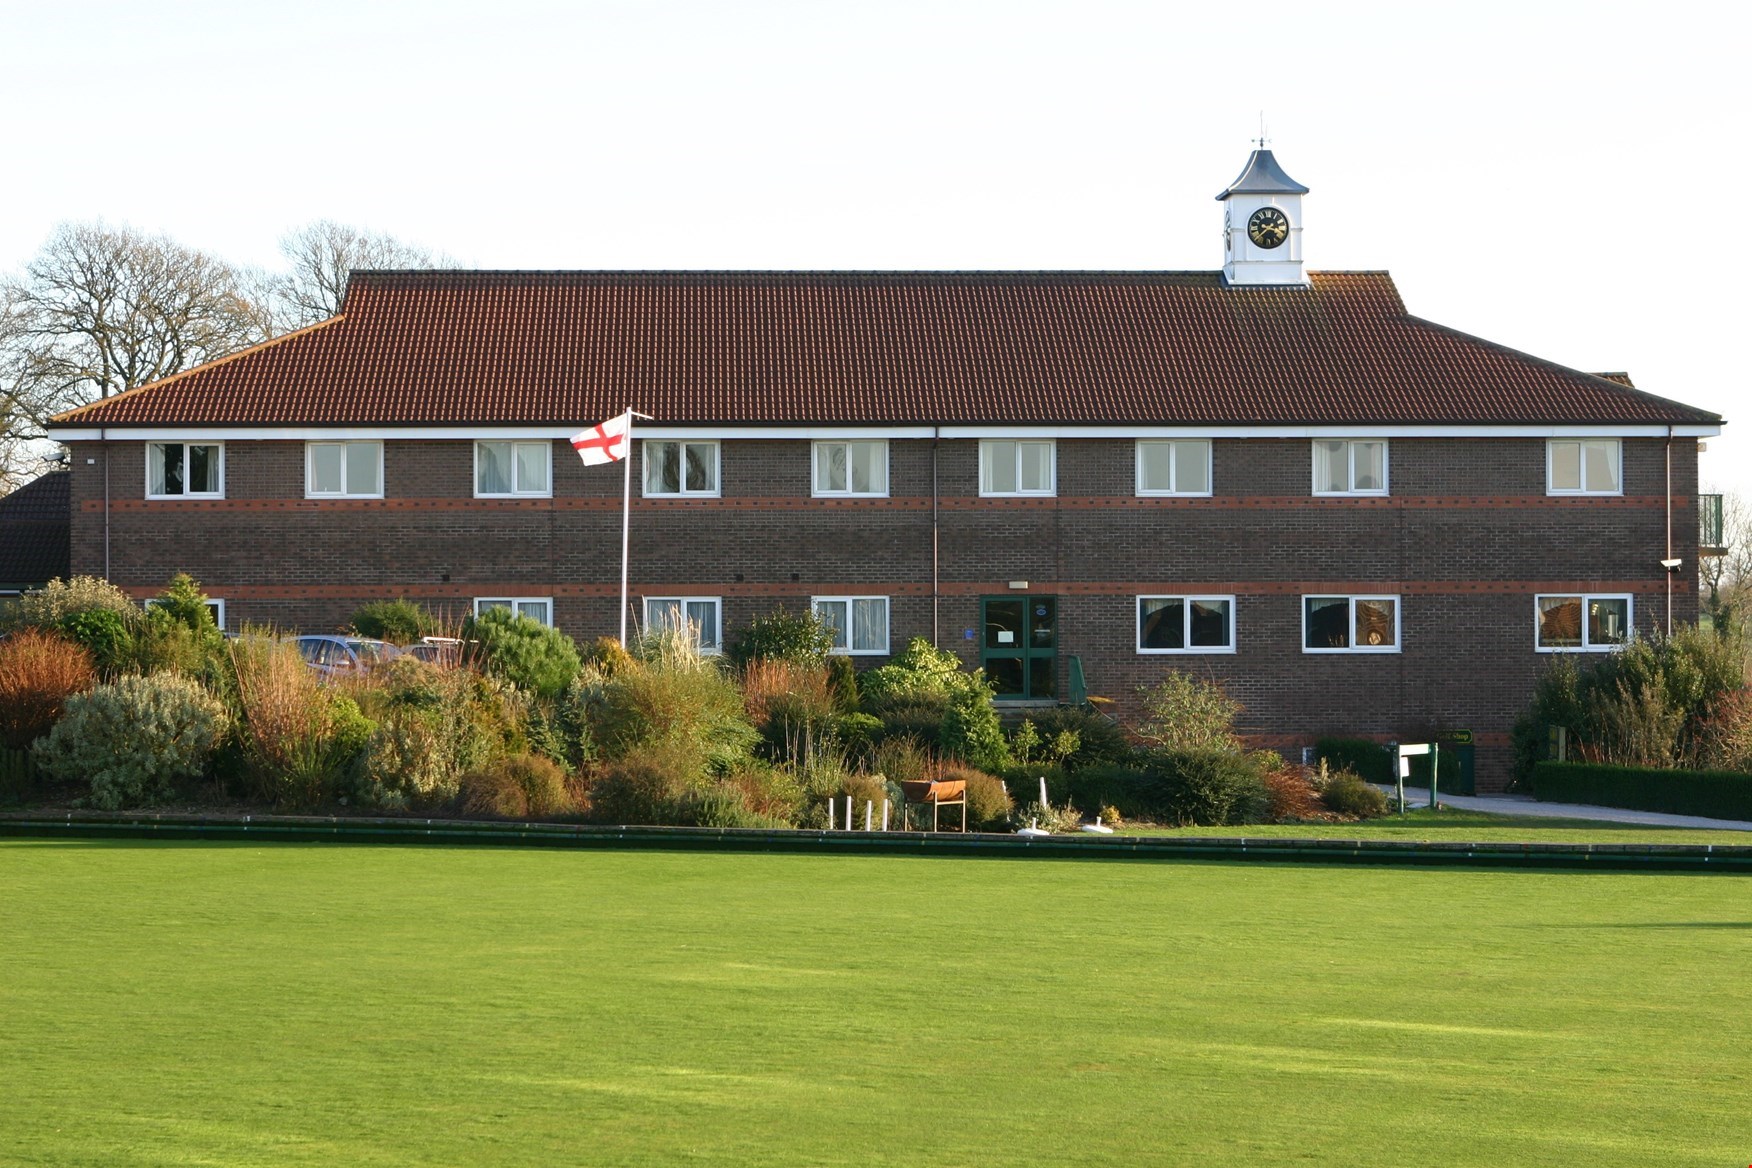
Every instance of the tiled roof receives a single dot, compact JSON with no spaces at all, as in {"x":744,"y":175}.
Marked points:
{"x":775,"y":348}
{"x":34,"y":525}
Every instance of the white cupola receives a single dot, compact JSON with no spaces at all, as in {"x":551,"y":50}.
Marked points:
{"x":1262,"y":224}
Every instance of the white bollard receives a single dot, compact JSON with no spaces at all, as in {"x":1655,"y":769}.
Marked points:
{"x":884,"y":815}
{"x":848,"y":813}
{"x":830,"y":815}
{"x":1043,"y":801}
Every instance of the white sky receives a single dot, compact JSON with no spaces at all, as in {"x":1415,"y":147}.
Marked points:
{"x":1562,"y":178}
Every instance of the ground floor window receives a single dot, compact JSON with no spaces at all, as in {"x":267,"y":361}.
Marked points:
{"x":1350,"y":624}
{"x":859,"y":623}
{"x":698,"y":613}
{"x":537,"y":608}
{"x":1580,"y":623}
{"x":1186,"y":624}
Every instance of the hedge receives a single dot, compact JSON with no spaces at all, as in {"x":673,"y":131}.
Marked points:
{"x":1716,"y":794}
{"x":1366,"y":759}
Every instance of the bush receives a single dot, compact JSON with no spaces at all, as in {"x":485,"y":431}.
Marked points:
{"x":1363,"y":757}
{"x":1210,"y":788}
{"x":842,"y":675}
{"x":677,"y":701}
{"x":921,"y":675}
{"x":524,"y":652}
{"x":902,"y":760}
{"x":432,"y":727}
{"x":1023,"y":782}
{"x":607,"y":656}
{"x":38,"y":672}
{"x":134,"y":739}
{"x":1182,"y":713}
{"x":524,"y":786}
{"x":663,"y":785}
{"x":970,"y":730}
{"x":300,"y":742}
{"x":920,"y":721}
{"x":1348,"y":794}
{"x":1135,"y":792}
{"x":1100,"y":741}
{"x":400,"y":622}
{"x":790,"y":702}
{"x":988,"y":802}
{"x":1715,"y":794}
{"x":1293,"y":798}
{"x":798,"y":637}
{"x":60,"y":599}
{"x":105,"y":634}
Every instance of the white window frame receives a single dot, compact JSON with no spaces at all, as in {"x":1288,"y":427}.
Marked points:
{"x":1351,"y":467}
{"x":516,"y":491}
{"x":514,"y":603}
{"x":1551,"y":487}
{"x":1186,"y":624}
{"x":815,"y":603}
{"x":1587,"y":646}
{"x":717,"y":603}
{"x":1175,"y":445}
{"x":1351,"y":622}
{"x":220,"y":475}
{"x":821,"y":492}
{"x":310,"y":466}
{"x":987,"y":445}
{"x":717,"y":489}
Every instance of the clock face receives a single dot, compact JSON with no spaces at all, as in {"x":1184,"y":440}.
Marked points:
{"x":1268,"y":228}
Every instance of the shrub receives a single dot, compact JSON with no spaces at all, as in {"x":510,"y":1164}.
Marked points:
{"x":183,"y":602}
{"x":1715,"y":794}
{"x":790,"y":702}
{"x":523,"y":786}
{"x":920,"y":721}
{"x":902,"y":759}
{"x":524,"y":652}
{"x":857,"y":732}
{"x":1028,"y":745}
{"x":988,"y":802}
{"x":1100,"y":741}
{"x":678,"y":701}
{"x":432,"y":727}
{"x":781,"y":636}
{"x":842,"y":675}
{"x":38,"y":672}
{"x":607,"y":656}
{"x":771,"y":794}
{"x":1056,"y":819}
{"x":1210,"y":787}
{"x":1134,"y":791}
{"x":1292,"y":797}
{"x":177,"y":635}
{"x":399,"y":622}
{"x":663,"y":785}
{"x":1346,"y":793}
{"x":134,"y":738}
{"x":1725,"y":743}
{"x":970,"y":730}
{"x":1183,"y":713}
{"x":1023,"y":782}
{"x":921,"y":675}
{"x":1363,"y":757}
{"x":60,"y":599}
{"x":300,"y":742}
{"x":104,"y":633}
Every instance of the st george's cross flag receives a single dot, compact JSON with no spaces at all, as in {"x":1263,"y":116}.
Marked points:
{"x":605,"y":442}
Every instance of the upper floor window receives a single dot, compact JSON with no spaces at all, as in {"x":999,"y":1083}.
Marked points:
{"x":859,"y":623}
{"x":514,"y":468}
{"x":185,"y":470}
{"x":1186,"y":624}
{"x":343,"y":470}
{"x":680,"y":468}
{"x":1350,"y":624}
{"x":1584,"y":466}
{"x":1350,"y":466}
{"x":1580,"y":624}
{"x":851,"y":468}
{"x":1180,"y":466}
{"x":539,"y":609}
{"x":1015,"y":467}
{"x":696,"y":614}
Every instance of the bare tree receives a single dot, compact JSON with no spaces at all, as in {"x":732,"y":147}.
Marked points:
{"x":104,"y":309}
{"x":1726,"y":580}
{"x":323,"y":254}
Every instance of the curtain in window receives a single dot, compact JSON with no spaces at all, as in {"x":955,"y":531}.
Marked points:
{"x":493,"y":468}
{"x":167,"y":477}
{"x":1192,"y":463}
{"x":1560,"y":622}
{"x":830,"y":462}
{"x":1332,"y":466}
{"x":1210,"y":624}
{"x":699,"y":467}
{"x":832,"y":614}
{"x":532,"y":467}
{"x":869,"y":624}
{"x":1162,"y":623}
{"x":1374,"y":624}
{"x":203,"y":464}
{"x":362,"y":468}
{"x":1370,"y":465}
{"x":1600,"y":462}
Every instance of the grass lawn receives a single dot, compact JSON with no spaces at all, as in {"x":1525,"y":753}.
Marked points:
{"x":1480,"y":826}
{"x":336,"y":1005}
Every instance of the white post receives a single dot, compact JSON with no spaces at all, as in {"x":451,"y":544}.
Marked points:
{"x":848,"y":813}
{"x":1043,"y":801}
{"x":885,"y":815}
{"x":626,"y":519}
{"x":830,"y":815}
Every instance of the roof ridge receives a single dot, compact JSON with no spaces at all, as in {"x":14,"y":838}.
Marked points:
{"x":203,"y":367}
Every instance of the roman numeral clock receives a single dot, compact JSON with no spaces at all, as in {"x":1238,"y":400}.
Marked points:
{"x":1262,"y":233}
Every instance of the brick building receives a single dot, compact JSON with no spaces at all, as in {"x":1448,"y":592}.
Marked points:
{"x":1360,"y":521}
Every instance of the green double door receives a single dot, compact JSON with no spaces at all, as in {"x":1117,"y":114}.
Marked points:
{"x":1019,"y":645}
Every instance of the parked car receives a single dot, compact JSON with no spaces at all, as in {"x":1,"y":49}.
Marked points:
{"x":445,"y":651}
{"x":338,"y":656}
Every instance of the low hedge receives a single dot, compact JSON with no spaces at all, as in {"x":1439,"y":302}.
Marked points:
{"x":1363,"y":757}
{"x":1715,"y":794}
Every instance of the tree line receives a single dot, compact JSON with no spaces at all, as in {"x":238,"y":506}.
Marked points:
{"x":102,"y":309}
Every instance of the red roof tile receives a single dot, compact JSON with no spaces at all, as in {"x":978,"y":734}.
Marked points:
{"x":458,"y":347}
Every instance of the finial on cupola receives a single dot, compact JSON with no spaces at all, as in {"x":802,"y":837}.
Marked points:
{"x":1262,"y":222}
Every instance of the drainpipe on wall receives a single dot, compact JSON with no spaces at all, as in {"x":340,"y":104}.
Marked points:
{"x":936,"y":435}
{"x":103,"y":436}
{"x":1669,"y":571}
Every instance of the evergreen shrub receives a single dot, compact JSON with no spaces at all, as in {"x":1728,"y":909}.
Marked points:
{"x":134,"y":739}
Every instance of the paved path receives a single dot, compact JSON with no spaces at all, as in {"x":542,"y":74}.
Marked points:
{"x":1417,"y":797}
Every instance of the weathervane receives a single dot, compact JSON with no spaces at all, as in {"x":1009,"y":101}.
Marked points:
{"x":1262,"y":138}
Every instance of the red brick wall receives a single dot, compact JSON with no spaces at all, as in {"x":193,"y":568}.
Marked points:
{"x":1466,"y":538}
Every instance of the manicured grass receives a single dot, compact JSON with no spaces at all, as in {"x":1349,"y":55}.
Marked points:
{"x":1477,"y":826}
{"x":327,"y":1005}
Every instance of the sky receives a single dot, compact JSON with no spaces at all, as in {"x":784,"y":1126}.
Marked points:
{"x":1561,"y":178}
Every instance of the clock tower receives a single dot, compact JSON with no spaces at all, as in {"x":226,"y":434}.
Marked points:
{"x":1262,"y":224}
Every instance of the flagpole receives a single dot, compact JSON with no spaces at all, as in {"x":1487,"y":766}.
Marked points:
{"x":626,"y":520}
